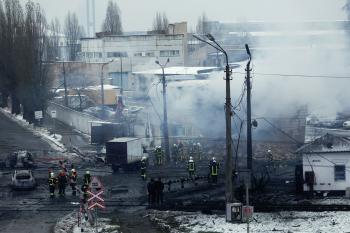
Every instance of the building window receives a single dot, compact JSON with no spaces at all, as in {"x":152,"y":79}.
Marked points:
{"x":149,"y":54}
{"x":118,"y":79}
{"x":144,"y":54}
{"x":169,"y":53}
{"x":117,"y":54}
{"x":98,"y":55}
{"x":339,"y":172}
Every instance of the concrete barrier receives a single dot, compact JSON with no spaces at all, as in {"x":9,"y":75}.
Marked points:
{"x":78,"y":120}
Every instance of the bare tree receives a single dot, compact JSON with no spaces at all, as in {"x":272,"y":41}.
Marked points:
{"x":346,"y":8}
{"x":73,"y":32}
{"x":35,"y":82}
{"x":112,"y":23}
{"x":54,"y":40}
{"x":24,"y":48}
{"x":13,"y":28}
{"x":160,"y":24}
{"x":203,"y":26}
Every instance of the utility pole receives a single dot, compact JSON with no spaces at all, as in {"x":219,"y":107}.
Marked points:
{"x":165,"y":114}
{"x":65,"y":86}
{"x":229,"y":188}
{"x":102,"y":91}
{"x":249,"y":114}
{"x":121,"y":75}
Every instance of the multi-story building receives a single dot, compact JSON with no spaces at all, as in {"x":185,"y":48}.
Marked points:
{"x":140,"y":51}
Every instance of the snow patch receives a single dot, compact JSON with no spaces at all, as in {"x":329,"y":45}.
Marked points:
{"x":305,"y":222}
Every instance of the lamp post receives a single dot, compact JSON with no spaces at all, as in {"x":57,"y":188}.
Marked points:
{"x":102,"y":89}
{"x":165,"y":114}
{"x":229,"y":189}
{"x":121,"y":75}
{"x":249,"y":113}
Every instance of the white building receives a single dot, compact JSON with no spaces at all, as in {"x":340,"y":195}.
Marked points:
{"x":326,"y":164}
{"x":140,"y":50}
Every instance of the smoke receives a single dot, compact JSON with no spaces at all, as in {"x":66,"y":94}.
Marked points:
{"x":303,"y":71}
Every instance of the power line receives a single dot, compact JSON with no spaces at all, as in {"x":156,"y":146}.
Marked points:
{"x":297,"y":75}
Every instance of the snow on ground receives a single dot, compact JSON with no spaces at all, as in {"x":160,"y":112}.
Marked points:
{"x":52,"y":139}
{"x":103,"y":225}
{"x":288,"y":222}
{"x":331,"y":201}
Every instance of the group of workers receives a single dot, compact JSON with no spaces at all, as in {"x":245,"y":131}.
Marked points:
{"x":63,"y":179}
{"x":179,"y":153}
{"x":213,"y":169}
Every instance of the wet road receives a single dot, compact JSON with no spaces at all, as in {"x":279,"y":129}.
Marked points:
{"x":14,"y":137}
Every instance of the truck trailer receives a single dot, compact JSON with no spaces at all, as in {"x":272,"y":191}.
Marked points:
{"x":125,"y":153}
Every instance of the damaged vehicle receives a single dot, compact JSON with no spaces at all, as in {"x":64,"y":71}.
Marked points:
{"x":20,"y":159}
{"x":23,"y":180}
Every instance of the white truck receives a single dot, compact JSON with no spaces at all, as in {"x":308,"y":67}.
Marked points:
{"x":125,"y":153}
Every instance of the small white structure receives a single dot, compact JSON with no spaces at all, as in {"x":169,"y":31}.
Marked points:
{"x":326,"y":163}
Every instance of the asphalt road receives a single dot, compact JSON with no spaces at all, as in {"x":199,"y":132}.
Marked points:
{"x":14,"y":137}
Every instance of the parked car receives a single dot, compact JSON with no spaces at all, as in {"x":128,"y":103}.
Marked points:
{"x":346,"y":125}
{"x":23,"y":180}
{"x":20,"y":159}
{"x":98,"y":111}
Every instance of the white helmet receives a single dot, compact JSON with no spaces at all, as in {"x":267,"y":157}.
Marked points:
{"x":52,"y":174}
{"x":143,"y":158}
{"x":87,"y":172}
{"x":73,"y":170}
{"x":198,"y":144}
{"x":191,"y":158}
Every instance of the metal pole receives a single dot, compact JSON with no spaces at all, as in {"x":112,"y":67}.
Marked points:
{"x":102,"y":92}
{"x":229,"y":186}
{"x":121,"y":75}
{"x":65,"y":86}
{"x":165,"y":123}
{"x":249,"y":115}
{"x":249,"y":121}
{"x":247,"y":203}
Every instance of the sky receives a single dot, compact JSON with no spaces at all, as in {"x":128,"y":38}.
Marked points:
{"x":137,"y":15}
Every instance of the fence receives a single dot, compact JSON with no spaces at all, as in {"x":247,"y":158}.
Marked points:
{"x":78,"y":120}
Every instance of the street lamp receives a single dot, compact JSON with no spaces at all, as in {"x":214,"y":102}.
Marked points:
{"x":229,"y":189}
{"x":102,"y":89}
{"x":165,"y":121}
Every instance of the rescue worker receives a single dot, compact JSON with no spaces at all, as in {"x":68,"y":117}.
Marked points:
{"x":159,"y":188}
{"x":181,"y":151}
{"x":213,"y":169}
{"x":175,"y":153}
{"x":191,"y":166}
{"x":87,"y":178}
{"x":143,"y":167}
{"x":73,"y":181}
{"x":84,"y":189}
{"x":151,"y":192}
{"x":62,"y":182}
{"x":159,"y":155}
{"x":199,"y":151}
{"x":52,"y":184}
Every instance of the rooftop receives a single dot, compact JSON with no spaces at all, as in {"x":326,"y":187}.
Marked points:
{"x":328,"y":143}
